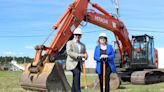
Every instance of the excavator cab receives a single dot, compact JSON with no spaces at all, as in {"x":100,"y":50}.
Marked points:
{"x":143,"y":52}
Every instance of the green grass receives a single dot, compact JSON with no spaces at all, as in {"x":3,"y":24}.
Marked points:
{"x":9,"y":82}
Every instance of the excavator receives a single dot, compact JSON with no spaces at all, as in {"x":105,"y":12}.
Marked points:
{"x":136,"y":55}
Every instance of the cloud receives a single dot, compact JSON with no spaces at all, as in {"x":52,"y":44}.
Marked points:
{"x":20,"y":53}
{"x":9,"y":53}
{"x":29,"y":47}
{"x":12,"y":53}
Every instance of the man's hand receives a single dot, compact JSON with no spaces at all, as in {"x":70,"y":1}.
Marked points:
{"x":84,"y":55}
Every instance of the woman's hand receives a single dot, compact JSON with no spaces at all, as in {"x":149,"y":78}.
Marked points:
{"x":103,"y":56}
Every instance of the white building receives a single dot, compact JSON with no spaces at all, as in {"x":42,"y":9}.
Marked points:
{"x":15,"y":66}
{"x":161,"y":57}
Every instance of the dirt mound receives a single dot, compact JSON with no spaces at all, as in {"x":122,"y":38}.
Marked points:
{"x":115,"y":82}
{"x":2,"y":68}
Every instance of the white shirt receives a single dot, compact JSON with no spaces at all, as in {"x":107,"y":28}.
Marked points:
{"x":78,"y":44}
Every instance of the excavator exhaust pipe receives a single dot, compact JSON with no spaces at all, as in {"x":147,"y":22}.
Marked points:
{"x":50,"y":79}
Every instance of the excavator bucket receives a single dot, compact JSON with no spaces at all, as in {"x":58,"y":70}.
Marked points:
{"x":51,"y":78}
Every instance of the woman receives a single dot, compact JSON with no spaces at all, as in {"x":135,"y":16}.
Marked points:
{"x":104,"y":53}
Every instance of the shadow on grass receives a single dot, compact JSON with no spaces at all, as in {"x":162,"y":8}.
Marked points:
{"x":122,"y":87}
{"x":125,"y":83}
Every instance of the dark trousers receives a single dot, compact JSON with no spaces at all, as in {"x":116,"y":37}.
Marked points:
{"x":76,"y":79}
{"x":107,"y":78}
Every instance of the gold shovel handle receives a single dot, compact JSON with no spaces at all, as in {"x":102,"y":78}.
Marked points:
{"x":84,"y":72}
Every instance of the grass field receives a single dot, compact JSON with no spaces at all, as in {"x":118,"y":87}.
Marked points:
{"x":9,"y":82}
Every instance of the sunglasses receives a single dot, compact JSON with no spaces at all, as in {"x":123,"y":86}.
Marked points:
{"x":103,"y":37}
{"x":77,"y":34}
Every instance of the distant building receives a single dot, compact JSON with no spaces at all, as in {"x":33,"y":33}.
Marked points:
{"x":160,"y":57}
{"x":15,"y":66}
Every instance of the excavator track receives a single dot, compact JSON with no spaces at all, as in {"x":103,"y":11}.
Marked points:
{"x":147,"y":77}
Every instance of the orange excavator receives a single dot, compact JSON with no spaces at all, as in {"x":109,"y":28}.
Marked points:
{"x":46,"y":74}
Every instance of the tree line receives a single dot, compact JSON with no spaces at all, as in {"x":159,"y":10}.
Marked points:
{"x":20,"y":60}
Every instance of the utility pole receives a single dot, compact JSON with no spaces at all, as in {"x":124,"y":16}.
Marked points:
{"x":117,"y":8}
{"x":24,"y":60}
{"x":5,"y":60}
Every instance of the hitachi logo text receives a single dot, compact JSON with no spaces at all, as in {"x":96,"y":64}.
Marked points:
{"x":101,"y":19}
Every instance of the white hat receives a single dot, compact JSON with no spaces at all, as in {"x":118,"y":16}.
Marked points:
{"x":77,"y":31}
{"x":103,"y":35}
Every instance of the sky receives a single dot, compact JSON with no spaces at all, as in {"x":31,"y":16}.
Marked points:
{"x":26,"y":23}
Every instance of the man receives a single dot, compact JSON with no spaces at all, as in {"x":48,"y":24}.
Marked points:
{"x":76,"y":51}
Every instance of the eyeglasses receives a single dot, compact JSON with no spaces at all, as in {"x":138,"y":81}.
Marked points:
{"x":77,"y":34}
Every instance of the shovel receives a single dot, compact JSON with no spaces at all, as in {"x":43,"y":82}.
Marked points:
{"x":85,"y":77}
{"x":104,"y":78}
